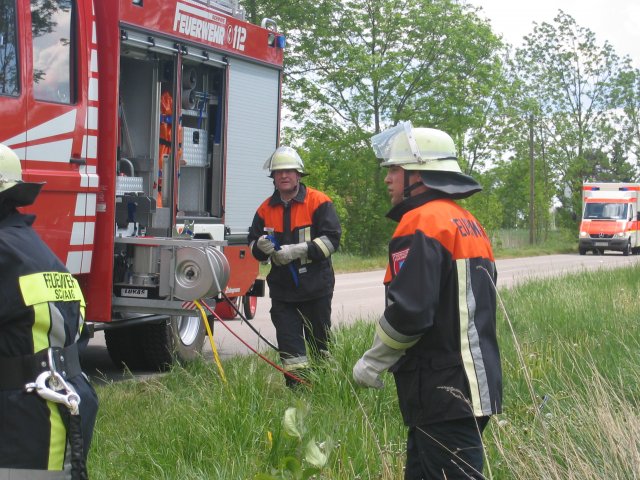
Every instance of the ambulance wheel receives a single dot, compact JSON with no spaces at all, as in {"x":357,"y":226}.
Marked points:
{"x":249,"y":306}
{"x":124,"y":347}
{"x":582,"y":251}
{"x":627,"y":250}
{"x":180,"y":339}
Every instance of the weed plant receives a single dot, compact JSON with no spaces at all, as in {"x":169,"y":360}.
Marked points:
{"x":570,"y":411}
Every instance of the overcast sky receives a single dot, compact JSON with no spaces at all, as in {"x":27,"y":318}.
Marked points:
{"x":617,"y":21}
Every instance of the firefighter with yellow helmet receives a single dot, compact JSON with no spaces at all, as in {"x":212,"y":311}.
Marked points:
{"x":48,"y":408}
{"x":298,"y":230}
{"x":437,"y":334}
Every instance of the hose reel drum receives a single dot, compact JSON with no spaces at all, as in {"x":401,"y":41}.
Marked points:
{"x":200,"y":273}
{"x":176,"y":268}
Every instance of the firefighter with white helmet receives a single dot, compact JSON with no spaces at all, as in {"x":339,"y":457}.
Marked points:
{"x":48,"y":406}
{"x":428,"y":151}
{"x":437,"y":334}
{"x":297,"y":228}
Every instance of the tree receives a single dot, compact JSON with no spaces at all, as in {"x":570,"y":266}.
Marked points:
{"x":354,"y":68}
{"x":627,"y":97}
{"x":568,"y":80}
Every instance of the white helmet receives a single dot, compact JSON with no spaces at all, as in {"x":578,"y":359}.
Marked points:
{"x":428,"y":150}
{"x":418,"y":148}
{"x":12,"y":187}
{"x":284,"y":158}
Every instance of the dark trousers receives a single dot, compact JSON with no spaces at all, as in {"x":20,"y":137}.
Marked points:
{"x":300,"y":322}
{"x":446,"y":450}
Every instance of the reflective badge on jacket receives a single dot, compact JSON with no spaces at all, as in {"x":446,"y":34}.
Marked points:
{"x":50,"y":287}
{"x":398,"y":259}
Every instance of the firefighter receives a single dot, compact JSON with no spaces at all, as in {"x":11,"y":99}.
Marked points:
{"x":45,"y":432}
{"x":437,"y":334}
{"x":297,"y":228}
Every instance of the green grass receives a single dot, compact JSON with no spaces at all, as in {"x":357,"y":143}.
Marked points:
{"x":578,"y":344}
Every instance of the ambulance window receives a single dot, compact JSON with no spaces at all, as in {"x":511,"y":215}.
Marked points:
{"x":52,"y":28}
{"x":9,"y":84}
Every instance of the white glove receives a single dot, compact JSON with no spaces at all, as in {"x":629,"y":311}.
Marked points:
{"x":366,"y":376}
{"x":367,"y":370}
{"x":265,"y":245}
{"x":289,"y":253}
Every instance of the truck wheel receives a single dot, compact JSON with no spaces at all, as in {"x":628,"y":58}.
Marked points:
{"x":582,"y":251}
{"x":125,"y":348}
{"x":627,"y":249}
{"x":180,"y":339}
{"x":249,"y":306}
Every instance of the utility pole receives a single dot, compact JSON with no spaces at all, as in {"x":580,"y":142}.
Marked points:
{"x":532,"y":210}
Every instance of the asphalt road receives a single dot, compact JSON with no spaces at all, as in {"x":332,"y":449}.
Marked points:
{"x":357,"y":296}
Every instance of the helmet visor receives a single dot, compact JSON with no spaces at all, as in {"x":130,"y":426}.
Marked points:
{"x":385,"y":145}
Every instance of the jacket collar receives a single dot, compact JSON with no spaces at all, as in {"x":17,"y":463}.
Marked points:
{"x":300,"y":196}
{"x":408,"y":204}
{"x":17,"y":219}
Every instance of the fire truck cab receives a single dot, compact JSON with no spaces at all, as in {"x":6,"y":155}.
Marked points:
{"x":149,"y":121}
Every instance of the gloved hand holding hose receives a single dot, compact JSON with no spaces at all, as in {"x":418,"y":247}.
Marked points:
{"x":271,"y":238}
{"x":289,"y":253}
{"x":265,"y":245}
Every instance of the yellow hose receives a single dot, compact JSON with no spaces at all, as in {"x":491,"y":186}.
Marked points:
{"x":213,"y":345}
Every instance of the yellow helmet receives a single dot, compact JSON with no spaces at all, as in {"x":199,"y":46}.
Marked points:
{"x":12,"y":187}
{"x":284,"y":158}
{"x":428,"y":150}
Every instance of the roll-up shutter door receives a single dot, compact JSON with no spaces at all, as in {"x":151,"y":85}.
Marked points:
{"x":252,"y":135}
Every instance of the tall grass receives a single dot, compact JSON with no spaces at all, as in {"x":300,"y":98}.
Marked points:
{"x":580,"y":341}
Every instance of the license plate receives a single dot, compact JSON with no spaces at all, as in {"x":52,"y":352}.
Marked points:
{"x":601,"y":244}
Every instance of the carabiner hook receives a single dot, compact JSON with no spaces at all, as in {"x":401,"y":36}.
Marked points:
{"x":69,"y":398}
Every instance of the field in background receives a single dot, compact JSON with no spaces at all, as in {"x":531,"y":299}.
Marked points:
{"x":571,"y":376}
{"x":515,"y":243}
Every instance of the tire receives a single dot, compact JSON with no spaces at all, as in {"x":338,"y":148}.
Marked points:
{"x":125,"y":348}
{"x":627,"y":250}
{"x":582,"y":251}
{"x":249,"y":306}
{"x":178,"y":340}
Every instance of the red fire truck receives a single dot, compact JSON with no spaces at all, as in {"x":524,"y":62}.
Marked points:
{"x":149,"y":121}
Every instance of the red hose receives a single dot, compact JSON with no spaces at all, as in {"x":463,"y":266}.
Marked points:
{"x":288,"y":374}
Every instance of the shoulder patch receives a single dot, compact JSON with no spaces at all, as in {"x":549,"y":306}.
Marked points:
{"x":398,"y":259}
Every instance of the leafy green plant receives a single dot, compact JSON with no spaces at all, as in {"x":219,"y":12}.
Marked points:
{"x":303,"y":456}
